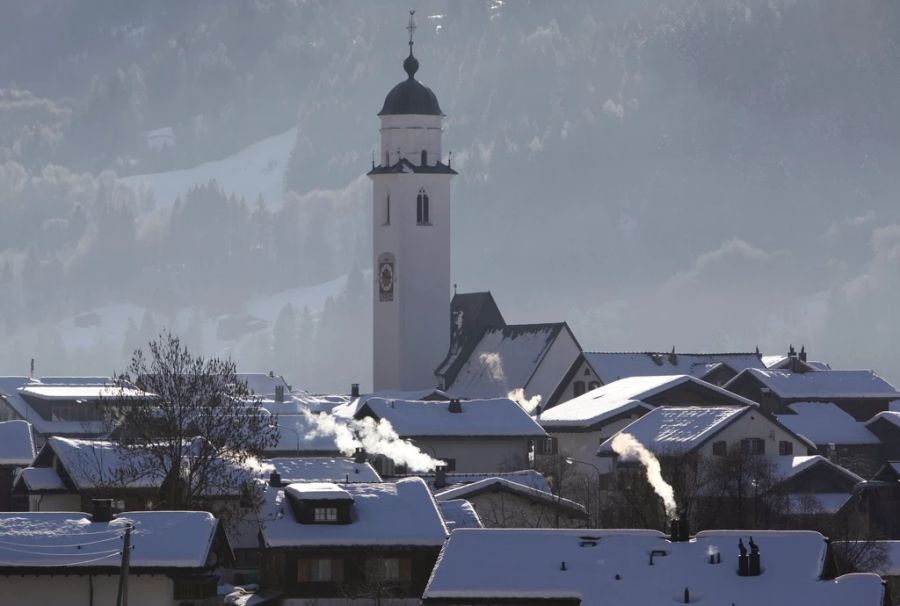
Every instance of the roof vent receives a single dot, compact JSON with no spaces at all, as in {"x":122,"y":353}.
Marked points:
{"x":455,"y":406}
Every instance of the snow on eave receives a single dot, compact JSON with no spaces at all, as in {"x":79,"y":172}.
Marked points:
{"x":16,"y":443}
{"x":489,"y":484}
{"x":819,"y":384}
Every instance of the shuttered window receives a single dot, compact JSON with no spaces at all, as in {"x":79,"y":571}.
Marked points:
{"x":320,"y":570}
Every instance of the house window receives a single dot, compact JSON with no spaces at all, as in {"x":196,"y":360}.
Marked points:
{"x":720,"y":448}
{"x":753,"y":446}
{"x":785,"y":448}
{"x":320,"y":570}
{"x":422,"y":211}
{"x":389,"y":569}
{"x":325,"y":514}
{"x":549,"y":446}
{"x":593,"y":385}
{"x":578,"y":388}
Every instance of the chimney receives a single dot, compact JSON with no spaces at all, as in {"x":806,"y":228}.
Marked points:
{"x":455,"y":406}
{"x":803,"y":353}
{"x":754,"y":566}
{"x":679,"y":529}
{"x":743,"y":561}
{"x":275,"y":478}
{"x":440,"y":476}
{"x":360,"y":456}
{"x":354,"y":390}
{"x":767,"y":400}
{"x":279,"y":393}
{"x":102,"y":510}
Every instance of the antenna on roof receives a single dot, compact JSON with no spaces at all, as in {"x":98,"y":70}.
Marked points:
{"x":31,"y":371}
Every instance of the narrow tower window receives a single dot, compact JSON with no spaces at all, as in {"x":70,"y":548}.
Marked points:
{"x":422,"y":208}
{"x":387,"y":210}
{"x":387,"y":158}
{"x":424,"y":158}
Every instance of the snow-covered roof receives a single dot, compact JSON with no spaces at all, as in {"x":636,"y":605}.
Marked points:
{"x":385,"y":514}
{"x":822,"y":384}
{"x":775,"y":362}
{"x":504,"y":359}
{"x":263,"y":383}
{"x":39,"y":479}
{"x":493,"y":417}
{"x":502,"y":484}
{"x":612,"y":567}
{"x":317,"y":491}
{"x":825,"y":422}
{"x":459,"y":513}
{"x":671,"y":430}
{"x":16,"y":443}
{"x":323,"y":469}
{"x":296,"y":434}
{"x":98,"y":463}
{"x":350,"y":408}
{"x":612,"y":366}
{"x":170,"y":539}
{"x":786,"y":467}
{"x":527,"y":477}
{"x":9,"y":391}
{"x":821,"y":502}
{"x":891,"y":416}
{"x":619,"y":396}
{"x":82,"y":392}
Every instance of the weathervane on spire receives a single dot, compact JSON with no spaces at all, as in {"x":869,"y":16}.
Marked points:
{"x":411,"y":28}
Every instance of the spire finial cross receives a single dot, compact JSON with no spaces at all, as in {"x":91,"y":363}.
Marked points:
{"x":411,"y":28}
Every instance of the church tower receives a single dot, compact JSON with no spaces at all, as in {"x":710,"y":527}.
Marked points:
{"x":411,"y":236}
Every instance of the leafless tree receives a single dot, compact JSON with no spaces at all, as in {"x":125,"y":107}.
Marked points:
{"x":199,"y":431}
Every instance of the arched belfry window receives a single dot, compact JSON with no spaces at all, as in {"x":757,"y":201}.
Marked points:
{"x":424,"y":158}
{"x":422,"y":217}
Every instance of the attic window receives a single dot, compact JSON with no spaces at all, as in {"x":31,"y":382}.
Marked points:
{"x":785,"y":448}
{"x":325,"y":514}
{"x":578,"y":388}
{"x":753,"y":446}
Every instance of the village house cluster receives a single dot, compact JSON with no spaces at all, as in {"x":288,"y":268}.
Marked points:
{"x":492,"y":463}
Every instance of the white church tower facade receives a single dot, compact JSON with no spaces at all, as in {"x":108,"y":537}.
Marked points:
{"x":411,"y":237}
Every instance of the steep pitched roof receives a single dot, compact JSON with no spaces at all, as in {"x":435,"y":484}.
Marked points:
{"x":400,"y":514}
{"x":619,"y":396}
{"x":161,"y":539}
{"x":470,"y":315}
{"x":459,"y":513}
{"x":612,"y":366}
{"x":504,"y":359}
{"x":16,"y":443}
{"x":822,"y":384}
{"x":496,"y":484}
{"x":825,"y":422}
{"x":611,"y":567}
{"x":491,"y":417}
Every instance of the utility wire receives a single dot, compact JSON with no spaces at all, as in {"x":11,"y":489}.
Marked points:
{"x":46,"y":553}
{"x":116,"y":538}
{"x":57,"y":565}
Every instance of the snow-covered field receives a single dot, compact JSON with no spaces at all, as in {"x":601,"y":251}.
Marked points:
{"x":253,"y":171}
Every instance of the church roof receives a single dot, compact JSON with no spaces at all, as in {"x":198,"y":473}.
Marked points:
{"x":405,"y":166}
{"x":411,"y":96}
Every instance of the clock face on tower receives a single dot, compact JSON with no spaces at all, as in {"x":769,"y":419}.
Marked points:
{"x":386,"y":277}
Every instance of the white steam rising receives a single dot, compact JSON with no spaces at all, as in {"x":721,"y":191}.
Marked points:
{"x":529,"y":404}
{"x":627,"y":447}
{"x":494,"y":366}
{"x":376,"y":437}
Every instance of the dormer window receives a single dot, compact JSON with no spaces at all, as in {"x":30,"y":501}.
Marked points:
{"x":422,"y":210}
{"x":320,"y":503}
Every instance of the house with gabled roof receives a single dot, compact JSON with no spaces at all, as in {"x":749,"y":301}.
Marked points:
{"x":860,"y":393}
{"x":836,"y":434}
{"x":490,"y":358}
{"x":593,"y":369}
{"x":578,"y":426}
{"x":469,"y":436}
{"x":16,"y":452}
{"x":675,"y":431}
{"x":75,"y":558}
{"x":501,"y":503}
{"x":886,"y":427}
{"x":367,"y":542}
{"x":561,"y":567}
{"x":814,"y":486}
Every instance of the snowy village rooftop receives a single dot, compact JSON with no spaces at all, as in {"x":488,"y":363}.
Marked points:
{"x":496,"y":417}
{"x":16,"y":443}
{"x":161,"y":539}
{"x":619,"y":396}
{"x":323,"y":469}
{"x":823,"y":383}
{"x":318,"y":491}
{"x":639,"y":567}
{"x":611,"y":366}
{"x":399,"y":514}
{"x":825,"y":422}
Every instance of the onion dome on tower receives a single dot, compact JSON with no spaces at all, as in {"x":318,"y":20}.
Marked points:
{"x":411,"y":96}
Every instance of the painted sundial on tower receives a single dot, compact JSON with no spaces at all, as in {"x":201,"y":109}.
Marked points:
{"x":386,"y":277}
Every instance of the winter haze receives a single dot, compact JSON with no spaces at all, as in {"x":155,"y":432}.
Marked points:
{"x":706,"y":175}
